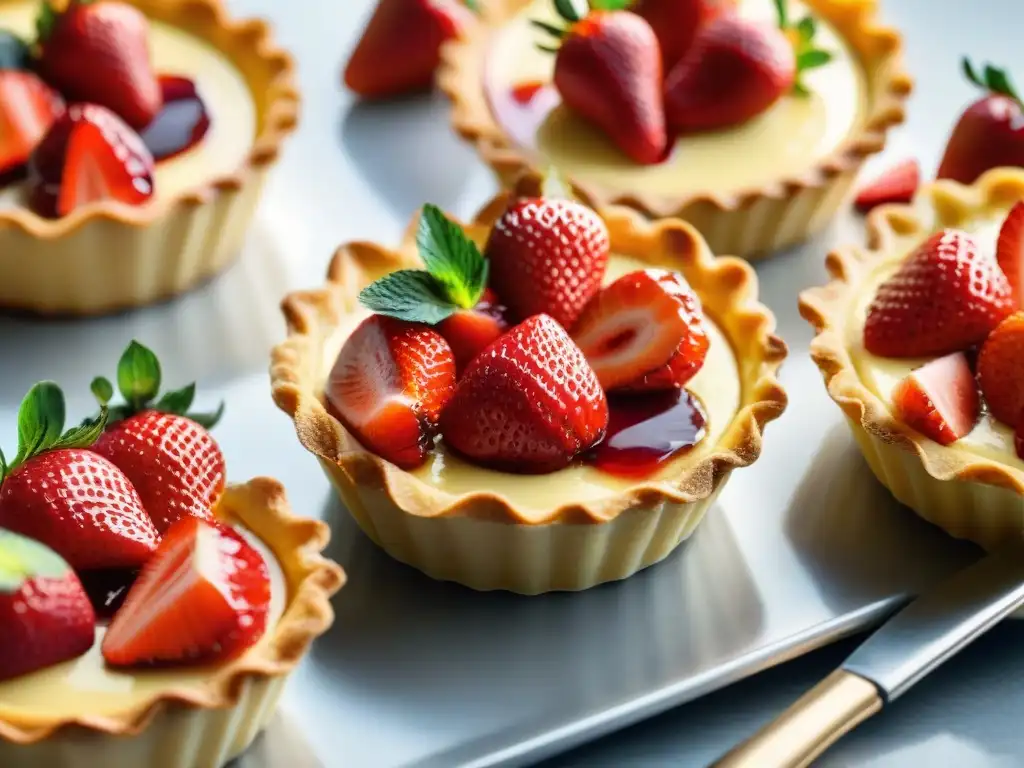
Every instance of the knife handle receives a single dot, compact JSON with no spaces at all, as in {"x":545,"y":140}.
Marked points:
{"x":811,"y":725}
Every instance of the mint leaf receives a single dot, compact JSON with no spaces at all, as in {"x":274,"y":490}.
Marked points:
{"x":408,"y":294}
{"x":812,"y":58}
{"x":451,"y":258}
{"x":138,"y":375}
{"x":22,"y":559}
{"x":102,"y":390}
{"x":86,"y":433}
{"x":207,"y":420}
{"x":40,"y":420}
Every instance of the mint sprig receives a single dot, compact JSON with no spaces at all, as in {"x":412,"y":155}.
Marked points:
{"x":41,"y":426}
{"x":455,"y":276}
{"x":23,"y":559}
{"x":138,"y":380}
{"x":991,"y":79}
{"x":808,"y":55}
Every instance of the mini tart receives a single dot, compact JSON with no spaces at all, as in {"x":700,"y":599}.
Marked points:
{"x":182,"y":717}
{"x":481,"y":537}
{"x":749,"y":221}
{"x":974,"y":488}
{"x":110,"y":256}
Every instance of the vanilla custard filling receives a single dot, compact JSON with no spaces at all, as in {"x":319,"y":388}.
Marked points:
{"x":783,"y":141}
{"x":228,"y":101}
{"x":990,"y":438}
{"x":717,"y":384}
{"x":87,"y":686}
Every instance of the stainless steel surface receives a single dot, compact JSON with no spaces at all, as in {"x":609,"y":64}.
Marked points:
{"x":802,"y":548}
{"x":939,"y":623}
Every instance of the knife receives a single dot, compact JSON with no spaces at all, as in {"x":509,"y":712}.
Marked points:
{"x":905,"y":649}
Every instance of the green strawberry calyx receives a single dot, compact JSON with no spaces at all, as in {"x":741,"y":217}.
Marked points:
{"x":41,"y":427}
{"x":991,"y":79}
{"x":569,"y":11}
{"x":23,"y":559}
{"x":138,"y":381}
{"x":808,"y":55}
{"x":48,"y":17}
{"x":454,"y":279}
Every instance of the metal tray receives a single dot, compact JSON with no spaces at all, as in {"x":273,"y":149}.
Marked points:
{"x":801,"y":549}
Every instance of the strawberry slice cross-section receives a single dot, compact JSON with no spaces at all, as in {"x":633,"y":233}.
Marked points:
{"x":205,"y":595}
{"x":28,"y":108}
{"x":1010,"y":252}
{"x":940,"y":399}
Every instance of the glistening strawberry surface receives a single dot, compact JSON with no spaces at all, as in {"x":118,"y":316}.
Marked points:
{"x":677,"y":22}
{"x":547,"y":256}
{"x":1010,"y":252}
{"x":470,"y":331}
{"x":946,"y":296}
{"x":638,"y":324}
{"x":98,"y":52}
{"x":940,"y":399}
{"x":528,"y":403}
{"x":204,"y":596}
{"x":1001,"y":370}
{"x":28,"y":107}
{"x":896,"y":185}
{"x":44,"y":612}
{"x":389,"y":384}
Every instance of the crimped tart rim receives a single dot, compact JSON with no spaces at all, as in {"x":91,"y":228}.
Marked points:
{"x":460,"y":77}
{"x":262,"y":507}
{"x":313,"y":315}
{"x":248,"y":45}
{"x":892,"y":229}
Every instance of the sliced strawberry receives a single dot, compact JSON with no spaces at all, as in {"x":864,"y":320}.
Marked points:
{"x":470,"y":331}
{"x":1010,"y":252}
{"x":947,"y":296}
{"x":204,"y":596}
{"x":637,"y":324}
{"x":389,"y":384}
{"x":174,"y":464}
{"x":677,"y":372}
{"x":896,"y":185}
{"x":940,"y":399}
{"x":45,"y":614}
{"x":1001,"y":370}
{"x":528,"y":403}
{"x":28,"y":107}
{"x":547,"y":256}
{"x":89,"y":155}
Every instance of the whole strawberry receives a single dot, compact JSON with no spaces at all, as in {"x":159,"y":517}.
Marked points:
{"x":70,"y":498}
{"x":172,"y":460}
{"x":989,"y":133}
{"x":946,"y":297}
{"x":45,"y":614}
{"x":608,"y":70}
{"x":677,"y":22}
{"x":547,"y":256}
{"x":98,"y":51}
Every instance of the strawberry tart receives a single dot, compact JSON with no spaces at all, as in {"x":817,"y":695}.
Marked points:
{"x":540,"y":400}
{"x":134,"y":140}
{"x":749,"y":119}
{"x":921,"y":341}
{"x":150,"y":612}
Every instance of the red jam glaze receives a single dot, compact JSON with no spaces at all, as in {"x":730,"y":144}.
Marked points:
{"x":524,"y":92}
{"x":181,"y":124}
{"x":645,"y":431}
{"x":107,"y":589}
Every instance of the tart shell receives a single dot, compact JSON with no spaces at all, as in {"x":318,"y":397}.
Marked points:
{"x":111,"y":256}
{"x":203,"y":725}
{"x":969,"y":496}
{"x":481,"y":539}
{"x":752,"y":222}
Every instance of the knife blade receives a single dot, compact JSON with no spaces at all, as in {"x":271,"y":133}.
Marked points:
{"x":914,"y":642}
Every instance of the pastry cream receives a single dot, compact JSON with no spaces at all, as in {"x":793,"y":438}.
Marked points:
{"x":228,"y":101}
{"x":990,"y":438}
{"x":87,"y":686}
{"x":783,"y":141}
{"x":717,"y":385}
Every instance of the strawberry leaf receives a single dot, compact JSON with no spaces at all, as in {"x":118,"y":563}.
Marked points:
{"x":783,"y":14}
{"x":572,"y":10}
{"x":610,"y":5}
{"x":102,"y":390}
{"x":992,"y":79}
{"x":207,"y":420}
{"x":46,"y":20}
{"x":551,"y":29}
{"x":14,"y":52}
{"x":40,"y":421}
{"x":806,"y":28}
{"x":138,"y":375}
{"x":3,"y":466}
{"x":812,"y":58}
{"x":178,"y":401}
{"x":452,"y":259}
{"x":85,"y":434}
{"x":408,"y":294}
{"x":23,"y":559}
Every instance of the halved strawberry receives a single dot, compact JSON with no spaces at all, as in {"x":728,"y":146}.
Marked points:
{"x":470,"y":331}
{"x":1010,"y":252}
{"x":1001,"y":370}
{"x":677,"y":372}
{"x":389,"y":384}
{"x":28,"y":107}
{"x":896,"y":185}
{"x":940,"y":399}
{"x":947,"y":296}
{"x":528,"y":403}
{"x":204,"y":596}
{"x":637,"y":324}
{"x":89,"y":155}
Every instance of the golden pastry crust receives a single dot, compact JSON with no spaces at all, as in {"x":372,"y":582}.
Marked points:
{"x":163,"y":247}
{"x":747,"y":222}
{"x":261,"y":507}
{"x":727,"y":287}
